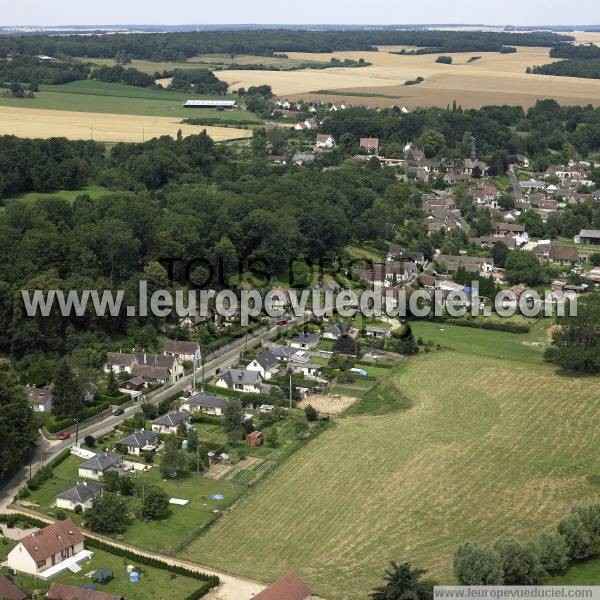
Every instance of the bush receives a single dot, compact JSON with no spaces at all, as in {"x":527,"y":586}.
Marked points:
{"x":475,"y":564}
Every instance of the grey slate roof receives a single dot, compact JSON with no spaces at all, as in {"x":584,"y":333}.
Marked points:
{"x":181,"y":347}
{"x":139,"y":439}
{"x":102,"y":461}
{"x":231,"y":376}
{"x":285,"y":352}
{"x":267,"y":360}
{"x":306,"y":338}
{"x":171,"y":419}
{"x":81,"y":492}
{"x":205,"y":400}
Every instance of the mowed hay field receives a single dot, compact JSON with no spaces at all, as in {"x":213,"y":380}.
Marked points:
{"x":493,"y":79}
{"x":104,"y":127}
{"x":490,"y":447}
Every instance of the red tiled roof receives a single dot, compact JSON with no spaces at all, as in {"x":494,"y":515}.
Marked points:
{"x":52,"y":539}
{"x":288,"y":587}
{"x":9,"y":591}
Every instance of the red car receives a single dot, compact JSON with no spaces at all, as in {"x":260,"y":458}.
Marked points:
{"x":282,"y":322}
{"x":65,"y":435}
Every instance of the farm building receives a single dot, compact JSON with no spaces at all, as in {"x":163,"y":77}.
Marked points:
{"x":218,"y":104}
{"x":588,"y":236}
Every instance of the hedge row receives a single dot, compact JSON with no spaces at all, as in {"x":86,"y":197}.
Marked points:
{"x":46,"y":472}
{"x":492,"y":325}
{"x":25,"y":519}
{"x":200,"y":417}
{"x":209,"y":581}
{"x":115,"y":400}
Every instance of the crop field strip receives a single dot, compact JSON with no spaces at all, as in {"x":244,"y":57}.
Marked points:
{"x":490,"y":447}
{"x":493,"y":79}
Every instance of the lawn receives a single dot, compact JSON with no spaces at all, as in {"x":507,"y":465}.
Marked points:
{"x":154,"y":584}
{"x":521,"y":347}
{"x":489,"y":447}
{"x":585,"y":573}
{"x":117,"y":98}
{"x":162,"y":536}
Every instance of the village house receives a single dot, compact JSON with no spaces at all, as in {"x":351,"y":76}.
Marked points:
{"x":140,"y":441}
{"x":40,"y":398}
{"x":61,"y":591}
{"x":288,"y":587}
{"x":285,"y":353}
{"x":206,"y":403}
{"x":337,"y":330}
{"x":516,"y":230}
{"x":324,"y":141}
{"x":305,"y":341}
{"x":241,"y":380}
{"x":119,"y":362}
{"x":556,"y":253}
{"x":183,"y":351}
{"x":96,"y":466}
{"x":337,"y":106}
{"x":589,"y":237}
{"x":413,"y":153}
{"x":306,"y":124}
{"x":173,"y":422}
{"x":81,"y":494}
{"x":49,"y":550}
{"x":302,"y":158}
{"x":379,"y":333}
{"x":371,"y":145}
{"x":471,"y":264}
{"x":265,"y":363}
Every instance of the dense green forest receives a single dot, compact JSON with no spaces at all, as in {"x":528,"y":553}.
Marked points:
{"x":588,"y":68}
{"x":581,"y":51}
{"x":28,"y":69}
{"x":179,"y":46}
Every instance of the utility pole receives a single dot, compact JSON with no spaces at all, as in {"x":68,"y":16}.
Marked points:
{"x":76,"y":430}
{"x":290,"y":390}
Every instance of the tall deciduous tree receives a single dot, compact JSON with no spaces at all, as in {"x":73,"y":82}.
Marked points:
{"x":18,"y":427}
{"x":476,"y":564}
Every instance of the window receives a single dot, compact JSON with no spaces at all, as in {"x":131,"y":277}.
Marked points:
{"x":41,"y":563}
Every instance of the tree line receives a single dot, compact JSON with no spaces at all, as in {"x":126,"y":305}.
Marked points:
{"x":181,"y":45}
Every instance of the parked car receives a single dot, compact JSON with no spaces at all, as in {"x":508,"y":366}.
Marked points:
{"x":118,"y":412}
{"x":65,"y":435}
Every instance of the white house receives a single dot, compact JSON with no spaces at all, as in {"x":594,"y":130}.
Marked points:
{"x":308,"y":370}
{"x":183,"y":350}
{"x":119,"y":362}
{"x":241,"y":380}
{"x":172,"y":422}
{"x":324,"y":140}
{"x":81,"y":494}
{"x":96,"y":466}
{"x":305,"y":341}
{"x":44,"y":549}
{"x":40,"y":398}
{"x":265,"y":363}
{"x":206,"y":403}
{"x":140,"y":441}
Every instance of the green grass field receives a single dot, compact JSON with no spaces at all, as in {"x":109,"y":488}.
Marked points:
{"x":160,"y":536}
{"x":521,"y":347}
{"x":586,"y":573}
{"x":93,"y":191}
{"x":154,"y":583}
{"x":491,"y":446}
{"x":117,"y":98}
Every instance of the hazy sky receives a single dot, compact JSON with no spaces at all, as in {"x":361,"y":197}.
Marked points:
{"x":66,"y":12}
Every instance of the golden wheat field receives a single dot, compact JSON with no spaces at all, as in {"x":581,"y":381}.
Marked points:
{"x":491,"y":447}
{"x":40,"y":123}
{"x":493,"y":79}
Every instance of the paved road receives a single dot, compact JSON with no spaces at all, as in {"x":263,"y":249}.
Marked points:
{"x":47,"y":449}
{"x":232,"y":587}
{"x":514,"y":182}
